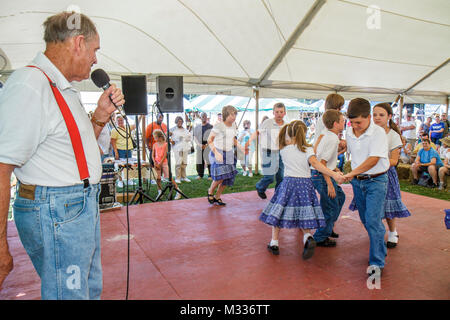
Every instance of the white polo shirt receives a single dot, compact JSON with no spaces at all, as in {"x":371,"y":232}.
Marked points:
{"x":328,"y":149}
{"x":268,"y":134}
{"x":372,"y":143}
{"x":33,"y":133}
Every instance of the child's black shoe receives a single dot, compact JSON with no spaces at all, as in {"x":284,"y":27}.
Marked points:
{"x":273,"y":249}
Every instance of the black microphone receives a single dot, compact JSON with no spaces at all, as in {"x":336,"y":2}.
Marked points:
{"x":101,"y":80}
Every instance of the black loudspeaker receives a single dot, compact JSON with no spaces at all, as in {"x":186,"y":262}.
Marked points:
{"x":170,"y":93}
{"x":134,"y":89}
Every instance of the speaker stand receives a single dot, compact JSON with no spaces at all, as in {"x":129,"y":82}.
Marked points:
{"x":139,"y":194}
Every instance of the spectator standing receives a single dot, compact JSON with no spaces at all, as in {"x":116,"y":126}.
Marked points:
{"x":244,"y":136}
{"x":201,"y":134}
{"x":408,"y":129}
{"x":119,"y":139}
{"x":446,"y":124}
{"x":181,"y":141}
{"x":437,"y":131}
{"x":149,"y":138}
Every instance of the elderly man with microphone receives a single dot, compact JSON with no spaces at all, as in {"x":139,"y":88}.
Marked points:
{"x":50,"y":143}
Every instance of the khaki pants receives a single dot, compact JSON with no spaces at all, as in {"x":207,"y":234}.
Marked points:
{"x":180,"y":164}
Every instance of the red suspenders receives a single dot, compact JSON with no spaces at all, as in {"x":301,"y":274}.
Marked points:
{"x":73,"y":131}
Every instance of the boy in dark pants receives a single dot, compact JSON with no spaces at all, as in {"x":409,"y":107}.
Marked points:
{"x":367,"y":145}
{"x":332,"y":197}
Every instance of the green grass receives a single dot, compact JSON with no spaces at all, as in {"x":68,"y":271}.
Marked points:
{"x":406,"y":186}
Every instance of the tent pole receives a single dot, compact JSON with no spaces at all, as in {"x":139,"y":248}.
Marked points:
{"x":304,"y":23}
{"x":427,"y":75}
{"x":401,"y":110}
{"x":446,"y":106}
{"x":256,"y":95}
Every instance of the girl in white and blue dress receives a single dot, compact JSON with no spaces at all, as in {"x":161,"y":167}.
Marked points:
{"x":295,"y":203}
{"x":222,"y":141}
{"x":393,"y":207}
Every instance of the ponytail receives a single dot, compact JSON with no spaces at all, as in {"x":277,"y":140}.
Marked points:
{"x":282,"y":137}
{"x":394,"y":127}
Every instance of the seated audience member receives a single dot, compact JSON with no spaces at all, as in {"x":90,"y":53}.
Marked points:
{"x":405,"y":151}
{"x":427,"y":160}
{"x":444,"y":170}
{"x":419,"y":146}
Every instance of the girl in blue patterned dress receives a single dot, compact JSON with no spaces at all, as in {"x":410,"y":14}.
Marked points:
{"x":295,"y":204}
{"x":222,"y":141}
{"x":393,"y":206}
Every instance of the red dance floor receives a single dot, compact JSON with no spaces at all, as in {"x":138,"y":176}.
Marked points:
{"x":189,"y":249}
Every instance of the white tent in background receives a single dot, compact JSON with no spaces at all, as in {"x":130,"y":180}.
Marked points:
{"x":283,"y":49}
{"x":215,"y":103}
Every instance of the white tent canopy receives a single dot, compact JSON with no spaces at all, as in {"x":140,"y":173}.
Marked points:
{"x":283,"y":48}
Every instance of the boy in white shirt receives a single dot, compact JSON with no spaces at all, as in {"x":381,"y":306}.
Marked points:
{"x":332,"y":197}
{"x":272,"y":164}
{"x":367,"y":144}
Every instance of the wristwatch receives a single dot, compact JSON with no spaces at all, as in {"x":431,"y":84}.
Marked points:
{"x":99,"y":123}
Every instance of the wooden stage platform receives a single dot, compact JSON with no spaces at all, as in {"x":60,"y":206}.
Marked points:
{"x":191,"y":250}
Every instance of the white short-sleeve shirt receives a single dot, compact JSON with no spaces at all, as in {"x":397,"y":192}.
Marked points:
{"x":328,"y":149}
{"x":268,"y":134}
{"x":224,"y":136}
{"x":409,"y":134}
{"x":33,"y":133}
{"x":394,"y":141}
{"x":372,"y":143}
{"x":182,"y":139}
{"x":296,"y":162}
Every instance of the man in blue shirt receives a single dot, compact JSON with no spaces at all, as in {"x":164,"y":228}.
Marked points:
{"x":437,"y":131}
{"x":427,"y":160}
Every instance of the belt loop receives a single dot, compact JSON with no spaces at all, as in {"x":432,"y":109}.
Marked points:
{"x":43,"y":192}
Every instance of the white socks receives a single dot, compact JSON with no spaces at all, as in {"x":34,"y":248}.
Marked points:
{"x":392,"y":237}
{"x":306,"y":236}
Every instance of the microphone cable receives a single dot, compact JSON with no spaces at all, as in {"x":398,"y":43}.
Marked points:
{"x":127,"y":136}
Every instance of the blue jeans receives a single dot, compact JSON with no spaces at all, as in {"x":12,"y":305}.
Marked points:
{"x":123,"y":154}
{"x":370,"y":196}
{"x":272,"y":167}
{"x":331,"y":208}
{"x":341,"y":159}
{"x":60,"y":231}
